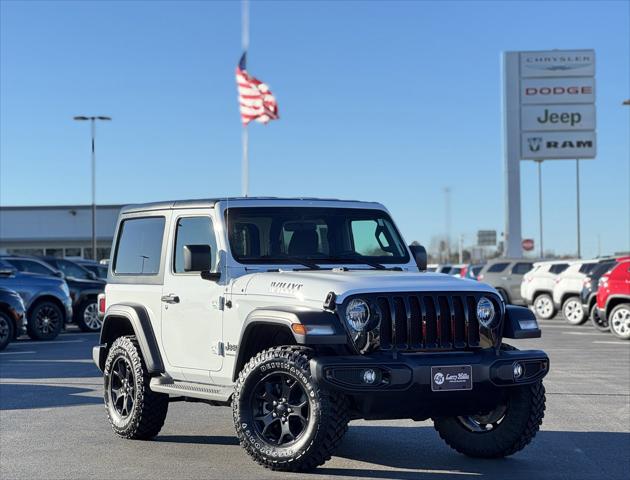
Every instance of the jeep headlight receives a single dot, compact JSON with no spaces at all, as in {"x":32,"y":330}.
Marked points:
{"x":485,"y":312}
{"x":358,"y":314}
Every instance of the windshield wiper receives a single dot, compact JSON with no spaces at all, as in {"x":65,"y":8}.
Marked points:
{"x":299,"y":261}
{"x":355,"y":261}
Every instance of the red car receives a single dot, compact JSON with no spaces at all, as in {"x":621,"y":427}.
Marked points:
{"x":613,"y":299}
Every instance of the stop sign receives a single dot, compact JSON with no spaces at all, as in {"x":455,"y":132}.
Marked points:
{"x":527,"y":244}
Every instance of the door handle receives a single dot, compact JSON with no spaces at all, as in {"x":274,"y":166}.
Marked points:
{"x":170,"y":298}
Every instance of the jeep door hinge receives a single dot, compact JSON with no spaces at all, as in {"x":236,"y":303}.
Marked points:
{"x":218,"y":349}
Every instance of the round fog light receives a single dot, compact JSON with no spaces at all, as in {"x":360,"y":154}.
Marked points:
{"x":369,"y":376}
{"x":518,"y":370}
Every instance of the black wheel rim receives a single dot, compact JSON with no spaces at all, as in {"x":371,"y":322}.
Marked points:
{"x":486,"y":422}
{"x":4,"y":329}
{"x":280,"y":409}
{"x":47,"y":319}
{"x":121,"y":387}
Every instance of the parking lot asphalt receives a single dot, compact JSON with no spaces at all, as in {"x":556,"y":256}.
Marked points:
{"x":53,"y":424}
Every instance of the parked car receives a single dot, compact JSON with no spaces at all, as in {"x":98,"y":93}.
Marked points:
{"x":458,"y":270}
{"x":613,"y":299}
{"x":98,"y":269}
{"x":84,"y":289}
{"x":537,"y":287}
{"x":588,"y":295}
{"x":506,"y":275}
{"x":444,"y":268}
{"x":432,"y":267}
{"x":567,"y":288}
{"x":12,"y":316}
{"x":473,"y":271}
{"x":46,"y":298}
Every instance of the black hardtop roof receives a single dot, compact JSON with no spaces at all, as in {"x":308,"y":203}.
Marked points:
{"x":210,"y":203}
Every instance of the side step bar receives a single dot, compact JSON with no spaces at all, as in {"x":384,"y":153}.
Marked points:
{"x":213,"y":393}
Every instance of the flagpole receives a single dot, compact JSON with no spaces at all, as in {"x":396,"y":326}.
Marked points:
{"x":245,"y":136}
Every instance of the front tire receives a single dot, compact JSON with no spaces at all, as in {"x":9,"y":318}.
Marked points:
{"x":283,"y":419}
{"x":45,"y":321}
{"x":573,"y":312}
{"x":6,"y":330}
{"x":87,"y":316}
{"x":543,"y":306}
{"x":599,"y":322}
{"x":501,"y":432}
{"x":134,"y":410}
{"x":619,"y":320}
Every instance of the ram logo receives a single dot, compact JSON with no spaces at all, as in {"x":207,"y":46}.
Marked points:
{"x":534,"y":143}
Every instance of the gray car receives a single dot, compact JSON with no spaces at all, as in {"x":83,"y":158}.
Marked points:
{"x":46,"y":298}
{"x":505,"y":275}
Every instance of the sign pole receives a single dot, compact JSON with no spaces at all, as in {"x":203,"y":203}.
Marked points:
{"x":577,"y":184}
{"x":540,"y":207}
{"x":245,"y":135}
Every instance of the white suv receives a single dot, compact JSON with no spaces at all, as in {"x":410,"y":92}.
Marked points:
{"x":302,"y":314}
{"x":567,"y":288}
{"x":537,"y":287}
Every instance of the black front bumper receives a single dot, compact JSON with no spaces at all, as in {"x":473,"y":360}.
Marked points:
{"x":403,"y":385}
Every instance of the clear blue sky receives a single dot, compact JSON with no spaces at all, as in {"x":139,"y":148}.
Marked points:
{"x":388,"y":101}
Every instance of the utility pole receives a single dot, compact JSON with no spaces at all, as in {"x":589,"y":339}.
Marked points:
{"x":93,"y":134}
{"x":447,"y":219}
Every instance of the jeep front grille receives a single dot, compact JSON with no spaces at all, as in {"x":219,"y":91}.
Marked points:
{"x":421,"y":321}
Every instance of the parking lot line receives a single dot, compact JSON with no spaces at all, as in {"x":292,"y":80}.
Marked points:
{"x":52,"y":342}
{"x":16,"y":353}
{"x":598,"y":334}
{"x":611,"y":342}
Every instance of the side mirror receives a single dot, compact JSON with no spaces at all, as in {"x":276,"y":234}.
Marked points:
{"x":59,"y":273}
{"x":197,"y":258}
{"x":420,"y":256}
{"x":7,"y":272}
{"x":92,"y":275}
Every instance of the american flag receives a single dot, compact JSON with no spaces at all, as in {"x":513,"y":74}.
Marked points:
{"x":255,"y":99}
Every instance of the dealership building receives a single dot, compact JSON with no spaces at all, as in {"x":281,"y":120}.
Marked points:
{"x":62,"y":231}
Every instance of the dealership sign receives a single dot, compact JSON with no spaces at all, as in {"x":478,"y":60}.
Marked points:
{"x":550,"y":104}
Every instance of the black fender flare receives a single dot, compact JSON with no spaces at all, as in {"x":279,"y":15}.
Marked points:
{"x":117,"y":320}
{"x":84,"y":294}
{"x":520,"y":322}
{"x":324,"y":325}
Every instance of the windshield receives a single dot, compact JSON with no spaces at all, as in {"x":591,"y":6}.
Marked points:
{"x":270,"y":235}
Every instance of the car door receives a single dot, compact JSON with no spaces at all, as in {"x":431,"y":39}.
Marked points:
{"x":191,"y":315}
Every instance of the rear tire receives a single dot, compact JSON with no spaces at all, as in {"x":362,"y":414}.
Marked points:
{"x":619,"y":321}
{"x":134,"y":410}
{"x":87,"y":318}
{"x":45,"y":321}
{"x":573,"y":312}
{"x":6,"y":330}
{"x":543,"y":306}
{"x":283,"y":419}
{"x":502,"y":432}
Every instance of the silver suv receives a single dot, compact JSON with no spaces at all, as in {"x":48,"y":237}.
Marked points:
{"x":506,"y":276}
{"x":302,"y":314}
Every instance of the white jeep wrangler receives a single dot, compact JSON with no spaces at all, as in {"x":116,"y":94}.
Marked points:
{"x":303,"y":314}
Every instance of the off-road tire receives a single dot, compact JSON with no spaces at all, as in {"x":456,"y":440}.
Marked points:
{"x":525,"y":412}
{"x":34,"y":328}
{"x":620,"y":314}
{"x":546,"y":310}
{"x":328,"y":412}
{"x":6,"y":330}
{"x":80,"y":316}
{"x":579,"y":320}
{"x":149,"y":408}
{"x":597,"y":321}
{"x":504,"y":296}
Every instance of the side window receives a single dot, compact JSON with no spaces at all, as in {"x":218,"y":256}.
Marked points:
{"x":139,"y":246}
{"x":72,"y":270}
{"x":35,"y":267}
{"x":193,"y":231}
{"x":497,"y":267}
{"x":587,"y":268}
{"x":559,"y":268}
{"x":521,"y":268}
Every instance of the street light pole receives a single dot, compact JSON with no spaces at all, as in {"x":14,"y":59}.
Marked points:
{"x":92,"y":120}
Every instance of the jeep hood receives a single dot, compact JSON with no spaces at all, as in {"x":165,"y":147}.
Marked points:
{"x":314,"y":285}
